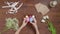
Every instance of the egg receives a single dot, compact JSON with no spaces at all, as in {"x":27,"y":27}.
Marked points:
{"x":46,"y":17}
{"x":43,"y":21}
{"x":31,"y":19}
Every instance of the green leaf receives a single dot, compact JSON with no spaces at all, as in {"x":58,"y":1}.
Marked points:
{"x":51,"y":27}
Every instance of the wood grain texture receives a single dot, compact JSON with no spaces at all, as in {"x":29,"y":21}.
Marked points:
{"x":29,"y":9}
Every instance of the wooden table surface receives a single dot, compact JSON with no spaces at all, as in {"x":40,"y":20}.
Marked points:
{"x":29,"y":9}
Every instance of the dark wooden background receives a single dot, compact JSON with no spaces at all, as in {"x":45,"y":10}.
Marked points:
{"x":29,"y":9}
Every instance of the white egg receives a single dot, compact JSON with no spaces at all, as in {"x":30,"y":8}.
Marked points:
{"x":43,"y":20}
{"x":46,"y":17}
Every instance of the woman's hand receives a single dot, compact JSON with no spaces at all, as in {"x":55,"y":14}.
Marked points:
{"x":35,"y":25}
{"x":22,"y":26}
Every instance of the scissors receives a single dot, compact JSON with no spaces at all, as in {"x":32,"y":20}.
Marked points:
{"x":30,"y":19}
